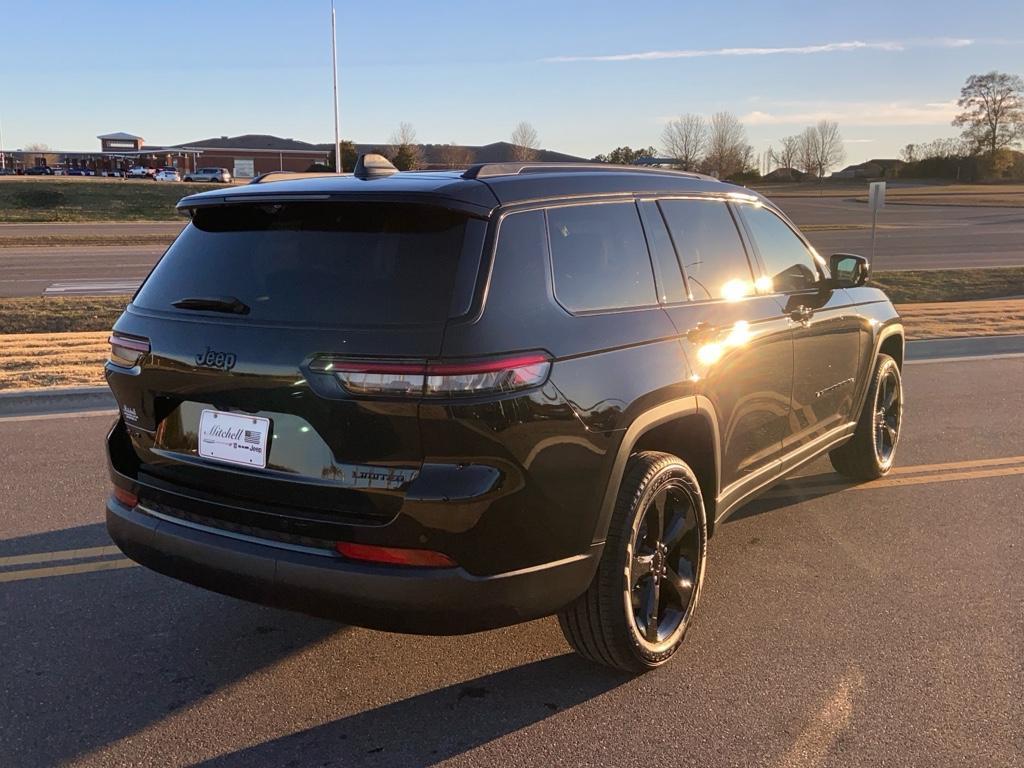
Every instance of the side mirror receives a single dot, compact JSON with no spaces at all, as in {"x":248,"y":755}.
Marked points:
{"x":848,"y":270}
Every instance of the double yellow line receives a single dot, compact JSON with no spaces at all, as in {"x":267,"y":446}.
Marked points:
{"x":918,"y":474}
{"x":89,"y":554}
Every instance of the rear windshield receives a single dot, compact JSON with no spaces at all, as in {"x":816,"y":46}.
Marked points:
{"x":316,"y":263}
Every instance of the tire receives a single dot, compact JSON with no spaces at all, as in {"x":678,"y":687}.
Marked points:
{"x":641,"y":566}
{"x":871,"y":452}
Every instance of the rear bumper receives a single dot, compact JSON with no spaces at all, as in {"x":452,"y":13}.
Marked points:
{"x":414,"y":600}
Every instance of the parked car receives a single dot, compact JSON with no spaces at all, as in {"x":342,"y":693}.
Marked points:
{"x":167,"y":174}
{"x":7,"y":172}
{"x":79,"y":172}
{"x":440,"y":403}
{"x":140,"y":172}
{"x":39,"y":170}
{"x":221,"y":175}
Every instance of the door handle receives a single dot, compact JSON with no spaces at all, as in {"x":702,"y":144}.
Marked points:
{"x":801,"y":314}
{"x":701,"y":332}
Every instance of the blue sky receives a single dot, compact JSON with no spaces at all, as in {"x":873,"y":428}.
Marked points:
{"x":588,"y":75}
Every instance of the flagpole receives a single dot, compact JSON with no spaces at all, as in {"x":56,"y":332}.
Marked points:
{"x":334,"y":60}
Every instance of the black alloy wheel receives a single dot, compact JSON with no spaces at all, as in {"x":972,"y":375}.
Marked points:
{"x":666,"y":555}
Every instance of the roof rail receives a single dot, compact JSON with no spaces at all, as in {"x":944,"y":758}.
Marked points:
{"x":265,"y":178}
{"x":489,"y":170}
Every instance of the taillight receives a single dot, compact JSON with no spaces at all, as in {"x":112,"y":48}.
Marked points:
{"x":423,"y":558}
{"x":127,"y":498}
{"x":437,"y":380}
{"x":126,"y":351}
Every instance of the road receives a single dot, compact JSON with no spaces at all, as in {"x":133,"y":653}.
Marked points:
{"x":31,"y":271}
{"x":878,"y":625}
{"x":910,"y":237}
{"x":914,"y":236}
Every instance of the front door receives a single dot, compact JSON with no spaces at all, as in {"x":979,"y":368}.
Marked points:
{"x":826,"y":332}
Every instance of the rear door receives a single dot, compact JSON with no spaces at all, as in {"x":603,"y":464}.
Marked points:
{"x":238,"y":314}
{"x":738,"y":343}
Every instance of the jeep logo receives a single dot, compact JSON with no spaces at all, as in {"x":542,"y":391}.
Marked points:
{"x":212,"y":359}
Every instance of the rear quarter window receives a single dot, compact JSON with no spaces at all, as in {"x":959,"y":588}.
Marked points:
{"x":351,"y":264}
{"x":599,"y":257}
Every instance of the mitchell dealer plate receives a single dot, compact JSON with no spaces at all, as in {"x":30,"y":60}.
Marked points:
{"x":234,"y":438}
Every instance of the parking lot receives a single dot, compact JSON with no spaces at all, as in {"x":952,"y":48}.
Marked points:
{"x":840,"y":626}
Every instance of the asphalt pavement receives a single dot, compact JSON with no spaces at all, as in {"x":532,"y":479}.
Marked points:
{"x":90,"y":269}
{"x":872,"y":625}
{"x":914,"y":236}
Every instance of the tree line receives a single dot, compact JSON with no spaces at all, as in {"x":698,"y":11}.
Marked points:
{"x":991,"y":119}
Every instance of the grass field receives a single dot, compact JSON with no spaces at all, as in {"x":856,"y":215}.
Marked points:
{"x":34,"y":198}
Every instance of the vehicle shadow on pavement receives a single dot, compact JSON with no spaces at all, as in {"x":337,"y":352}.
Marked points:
{"x":440,"y":724}
{"x":90,"y":658}
{"x":794,"y":491}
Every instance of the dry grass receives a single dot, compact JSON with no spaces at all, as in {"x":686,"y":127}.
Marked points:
{"x":52,"y":359}
{"x":941,"y":320}
{"x":64,"y":241}
{"x":34,"y":314}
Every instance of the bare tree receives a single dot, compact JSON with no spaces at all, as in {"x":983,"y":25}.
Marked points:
{"x":36,"y":147}
{"x":685,"y":140}
{"x":525,"y":142}
{"x":807,"y":152}
{"x":455,"y":156}
{"x":828,"y":147}
{"x":789,"y":152}
{"x":728,"y":151}
{"x":404,"y":152}
{"x":910,"y":153}
{"x":992,"y":113}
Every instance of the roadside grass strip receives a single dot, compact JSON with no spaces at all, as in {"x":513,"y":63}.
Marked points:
{"x":52,"y":359}
{"x":938,"y":320}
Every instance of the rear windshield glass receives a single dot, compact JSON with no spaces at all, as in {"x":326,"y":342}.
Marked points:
{"x":316,"y":263}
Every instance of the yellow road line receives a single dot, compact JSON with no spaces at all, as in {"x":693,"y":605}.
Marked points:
{"x":67,"y":570}
{"x":958,"y":465}
{"x":809,"y":491}
{"x":67,"y":554}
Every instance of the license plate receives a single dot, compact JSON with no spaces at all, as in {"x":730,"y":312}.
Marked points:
{"x":234,"y":438}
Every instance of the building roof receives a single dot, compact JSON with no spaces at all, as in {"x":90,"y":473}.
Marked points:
{"x":436,"y":154}
{"x":477,"y":194}
{"x":254,"y":141}
{"x":121,"y":136}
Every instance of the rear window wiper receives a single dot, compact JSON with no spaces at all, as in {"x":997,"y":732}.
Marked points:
{"x":213,"y":304}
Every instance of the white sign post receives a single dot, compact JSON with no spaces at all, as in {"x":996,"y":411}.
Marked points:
{"x":876,"y":200}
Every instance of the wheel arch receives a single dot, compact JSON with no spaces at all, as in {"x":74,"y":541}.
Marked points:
{"x":687,"y":428}
{"x":891,"y":342}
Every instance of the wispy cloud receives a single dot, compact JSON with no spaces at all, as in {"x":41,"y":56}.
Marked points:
{"x":699,"y":53}
{"x":855,"y":113}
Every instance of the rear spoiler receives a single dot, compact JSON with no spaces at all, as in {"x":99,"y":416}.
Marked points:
{"x":188,"y":205}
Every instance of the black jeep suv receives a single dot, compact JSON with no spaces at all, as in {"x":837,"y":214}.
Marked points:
{"x":441,"y":402}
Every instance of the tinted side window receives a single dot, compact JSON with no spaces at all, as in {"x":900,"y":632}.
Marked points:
{"x":663,"y":255}
{"x":599,"y":257}
{"x":788,"y":263}
{"x":709,"y":247}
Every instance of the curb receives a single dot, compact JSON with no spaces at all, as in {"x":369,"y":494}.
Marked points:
{"x":28,"y":402}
